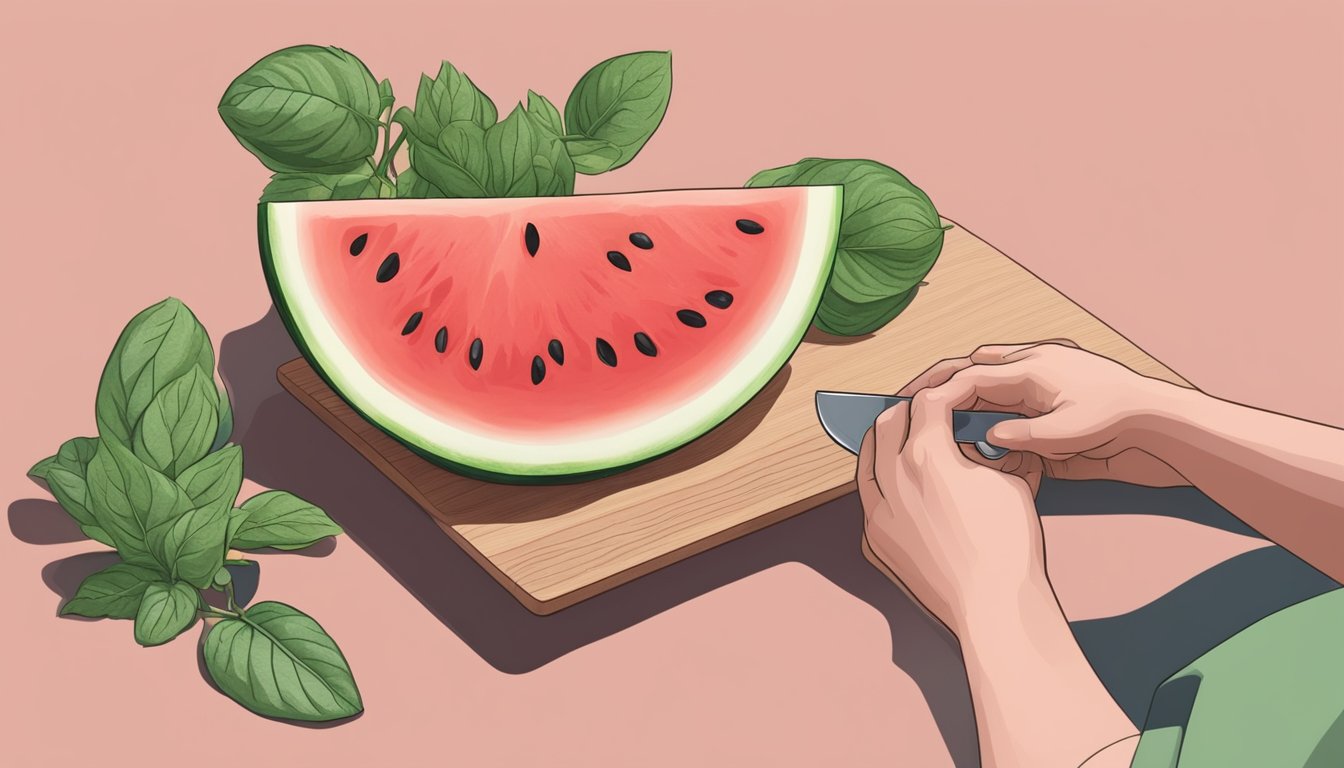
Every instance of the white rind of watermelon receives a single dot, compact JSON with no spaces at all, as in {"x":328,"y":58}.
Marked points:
{"x":509,"y":455}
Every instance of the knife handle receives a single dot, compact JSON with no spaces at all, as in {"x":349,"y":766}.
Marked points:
{"x":973,"y":427}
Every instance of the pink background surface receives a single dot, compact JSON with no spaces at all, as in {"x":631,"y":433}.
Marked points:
{"x":1177,"y":170}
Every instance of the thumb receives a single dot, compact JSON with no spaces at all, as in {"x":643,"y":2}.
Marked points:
{"x":1046,"y":435}
{"x":1013,"y":434}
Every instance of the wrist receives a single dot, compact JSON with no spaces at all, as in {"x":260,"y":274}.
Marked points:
{"x":1159,"y":411}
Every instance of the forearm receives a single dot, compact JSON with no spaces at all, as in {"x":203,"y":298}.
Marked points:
{"x":1037,"y":700}
{"x":1282,"y":476}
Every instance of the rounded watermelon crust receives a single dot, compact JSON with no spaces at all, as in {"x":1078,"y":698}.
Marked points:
{"x":319,"y":318}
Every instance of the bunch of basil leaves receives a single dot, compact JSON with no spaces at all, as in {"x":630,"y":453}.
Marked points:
{"x":324,"y":125}
{"x":315,"y":117}
{"x":159,"y":484}
{"x":890,"y":236}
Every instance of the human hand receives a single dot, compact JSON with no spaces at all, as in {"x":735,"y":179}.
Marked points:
{"x":965,"y":541}
{"x":960,"y":537}
{"x":1082,"y":409}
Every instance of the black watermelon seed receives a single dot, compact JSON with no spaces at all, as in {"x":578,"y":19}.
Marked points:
{"x":441,"y":340}
{"x":357,"y":245}
{"x":691,"y":317}
{"x":557,"y":351}
{"x":538,"y":369}
{"x":531,"y":238}
{"x":618,"y":260}
{"x":475,"y":353}
{"x":389,"y":268}
{"x":749,"y":227}
{"x":605,"y":353}
{"x":719,"y":299}
{"x":645,"y":345}
{"x":412,"y":323}
{"x":641,"y":240}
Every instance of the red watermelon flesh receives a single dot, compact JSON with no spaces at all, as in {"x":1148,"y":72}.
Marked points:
{"x":550,"y":323}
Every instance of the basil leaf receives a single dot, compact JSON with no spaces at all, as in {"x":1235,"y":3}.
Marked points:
{"x":114,"y":592}
{"x":622,"y":101}
{"x":225,"y":430}
{"x":509,"y":145}
{"x":73,"y":455}
{"x":446,"y":139}
{"x":222,"y":578}
{"x":132,"y":502}
{"x":361,"y":184}
{"x":553,"y":168}
{"x":64,"y":475}
{"x":592,"y":156}
{"x":305,"y":108}
{"x":76,"y":453}
{"x":166,"y":611}
{"x":278,"y":519}
{"x":525,"y":159}
{"x":72,"y":493}
{"x":159,"y":345}
{"x":782,"y":176}
{"x":544,"y":114}
{"x":443,"y":100}
{"x":39,"y":470}
{"x":385,"y":97}
{"x":179,"y":424}
{"x":456,"y":164}
{"x":412,"y":185}
{"x":192,"y":546}
{"x":842,"y":317}
{"x":215,"y":479}
{"x":278,"y":662}
{"x":890,"y":236}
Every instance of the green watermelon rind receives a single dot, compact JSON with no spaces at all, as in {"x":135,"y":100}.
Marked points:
{"x":824,"y":206}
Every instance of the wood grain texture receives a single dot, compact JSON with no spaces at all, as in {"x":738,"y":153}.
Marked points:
{"x":552,"y":546}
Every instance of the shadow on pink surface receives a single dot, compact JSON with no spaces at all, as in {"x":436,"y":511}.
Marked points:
{"x":286,"y":446}
{"x":42,"y":521}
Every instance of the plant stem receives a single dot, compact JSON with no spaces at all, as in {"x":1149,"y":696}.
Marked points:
{"x":387,"y":134}
{"x":212,"y":612}
{"x":386,"y":162}
{"x":228,"y":590}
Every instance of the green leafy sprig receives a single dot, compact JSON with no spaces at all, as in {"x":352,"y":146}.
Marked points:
{"x":315,"y":115}
{"x":160,"y":484}
{"x":890,"y":236}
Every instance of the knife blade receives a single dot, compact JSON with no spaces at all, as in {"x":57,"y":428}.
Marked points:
{"x":847,"y":416}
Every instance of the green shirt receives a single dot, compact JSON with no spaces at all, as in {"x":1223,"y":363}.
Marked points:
{"x":1270,"y":696}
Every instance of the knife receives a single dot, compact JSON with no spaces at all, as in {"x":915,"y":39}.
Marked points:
{"x":847,"y":416}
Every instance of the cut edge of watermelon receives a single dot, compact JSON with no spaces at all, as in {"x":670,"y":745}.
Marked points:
{"x":512,"y":461}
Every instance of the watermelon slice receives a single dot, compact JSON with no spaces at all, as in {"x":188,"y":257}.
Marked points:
{"x":551,"y":339}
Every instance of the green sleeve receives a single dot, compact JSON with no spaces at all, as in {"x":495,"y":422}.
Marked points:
{"x":1272,"y":695}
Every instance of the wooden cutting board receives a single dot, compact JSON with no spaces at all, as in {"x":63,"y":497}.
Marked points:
{"x":553,"y":546}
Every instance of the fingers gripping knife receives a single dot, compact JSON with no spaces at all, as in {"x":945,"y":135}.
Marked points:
{"x":847,"y":417}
